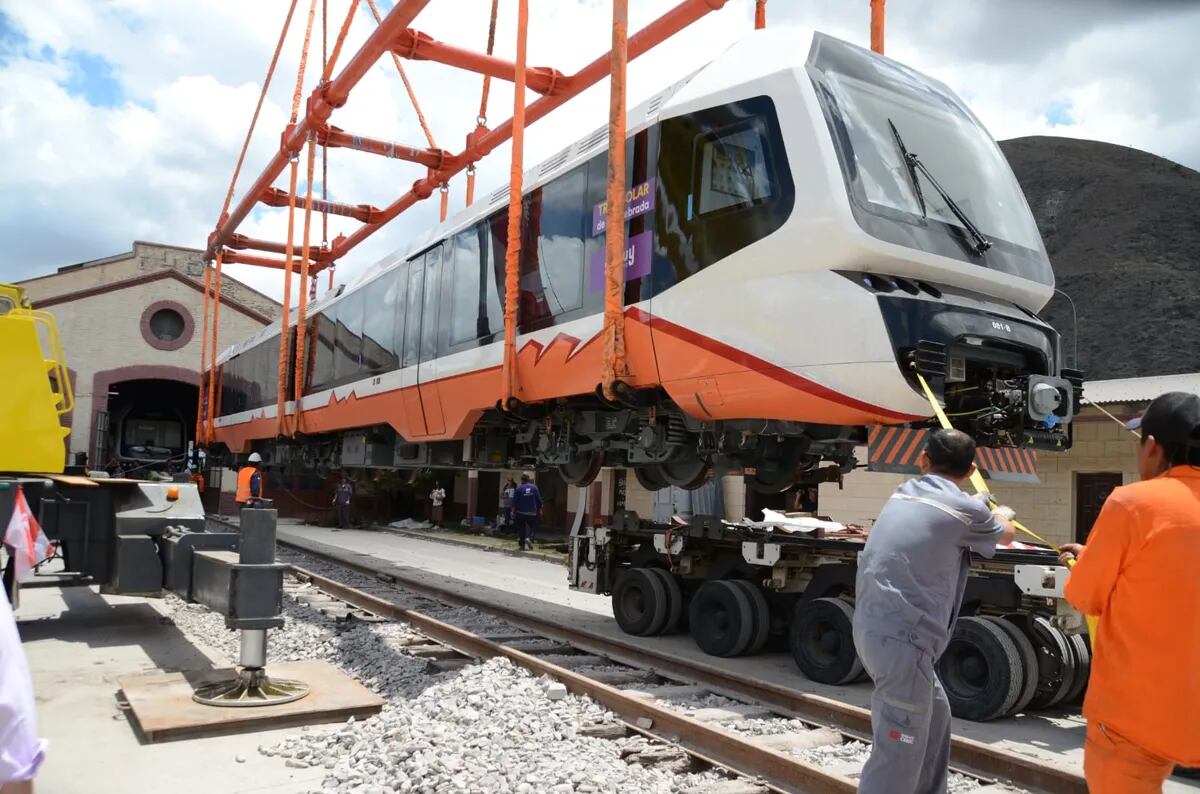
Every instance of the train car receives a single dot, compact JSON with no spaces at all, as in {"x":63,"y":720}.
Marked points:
{"x":808,"y":226}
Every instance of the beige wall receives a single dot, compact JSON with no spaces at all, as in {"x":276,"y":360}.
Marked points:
{"x":1048,"y":508}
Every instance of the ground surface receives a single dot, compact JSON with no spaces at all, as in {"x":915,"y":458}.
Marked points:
{"x":1122,"y":231}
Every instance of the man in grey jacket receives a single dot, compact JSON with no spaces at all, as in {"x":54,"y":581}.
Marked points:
{"x":911,"y":577}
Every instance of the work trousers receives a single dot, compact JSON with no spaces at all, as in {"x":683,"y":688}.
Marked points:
{"x":343,"y":515}
{"x":910,"y":719}
{"x":1114,"y":765}
{"x":526,"y":527}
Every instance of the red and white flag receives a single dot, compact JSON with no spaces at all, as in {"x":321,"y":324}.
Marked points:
{"x":25,"y":539}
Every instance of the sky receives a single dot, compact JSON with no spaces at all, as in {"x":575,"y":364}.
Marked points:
{"x":122,"y":119}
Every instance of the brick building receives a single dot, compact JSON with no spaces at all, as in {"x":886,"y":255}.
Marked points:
{"x":130,"y":327}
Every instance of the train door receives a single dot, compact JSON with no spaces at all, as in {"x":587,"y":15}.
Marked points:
{"x":414,"y":415}
{"x":431,"y":401}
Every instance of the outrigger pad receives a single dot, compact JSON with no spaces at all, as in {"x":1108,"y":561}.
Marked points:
{"x":162,"y":708}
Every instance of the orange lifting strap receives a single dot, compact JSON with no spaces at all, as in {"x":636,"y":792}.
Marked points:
{"x":760,"y":14}
{"x":512,"y":258}
{"x":205,"y":412}
{"x":614,"y":242}
{"x":877,"y":26}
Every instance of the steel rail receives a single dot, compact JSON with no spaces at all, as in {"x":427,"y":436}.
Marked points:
{"x":967,"y":755}
{"x":783,"y":772}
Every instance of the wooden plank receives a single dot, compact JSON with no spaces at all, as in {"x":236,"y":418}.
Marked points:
{"x":162,"y":708}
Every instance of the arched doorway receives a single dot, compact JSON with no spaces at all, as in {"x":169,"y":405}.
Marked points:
{"x":145,"y":417}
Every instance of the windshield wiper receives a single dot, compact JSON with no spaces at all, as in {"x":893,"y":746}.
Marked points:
{"x":914,"y":164}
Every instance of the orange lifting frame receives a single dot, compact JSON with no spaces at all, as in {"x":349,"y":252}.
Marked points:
{"x":392,"y":35}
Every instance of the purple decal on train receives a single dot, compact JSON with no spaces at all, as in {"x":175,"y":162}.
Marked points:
{"x":639,"y":200}
{"x":637,"y":261}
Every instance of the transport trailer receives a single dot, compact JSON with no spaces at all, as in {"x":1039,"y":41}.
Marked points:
{"x":741,"y":587}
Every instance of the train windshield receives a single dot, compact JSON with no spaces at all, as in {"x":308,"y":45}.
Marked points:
{"x":865,"y":98}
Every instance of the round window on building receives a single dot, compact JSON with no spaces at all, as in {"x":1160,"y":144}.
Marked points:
{"x":167,"y":325}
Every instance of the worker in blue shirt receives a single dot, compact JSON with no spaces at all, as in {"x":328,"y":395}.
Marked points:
{"x":527,"y":505}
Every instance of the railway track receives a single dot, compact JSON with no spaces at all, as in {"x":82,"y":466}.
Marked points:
{"x":769,"y":737}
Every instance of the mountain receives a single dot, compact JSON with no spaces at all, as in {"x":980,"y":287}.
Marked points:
{"x":1122,"y":228}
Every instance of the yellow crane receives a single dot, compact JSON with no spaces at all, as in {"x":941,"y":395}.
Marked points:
{"x":37,"y":389}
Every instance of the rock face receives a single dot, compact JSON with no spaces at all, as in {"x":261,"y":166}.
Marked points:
{"x":1122,"y":228}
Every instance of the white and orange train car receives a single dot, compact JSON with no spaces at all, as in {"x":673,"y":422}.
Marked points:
{"x":808,"y":225}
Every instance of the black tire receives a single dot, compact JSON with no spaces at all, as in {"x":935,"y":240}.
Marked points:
{"x":1029,"y":664}
{"x":762,"y":616}
{"x":674,"y":600}
{"x":821,"y":639}
{"x":650,"y":478}
{"x":1056,"y":668}
{"x":980,"y":670}
{"x":1081,"y":652}
{"x":639,"y":602}
{"x":721,"y":619}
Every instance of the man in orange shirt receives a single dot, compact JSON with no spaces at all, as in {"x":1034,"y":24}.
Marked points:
{"x":1140,"y":574}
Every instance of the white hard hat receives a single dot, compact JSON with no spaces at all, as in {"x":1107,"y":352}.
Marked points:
{"x":255,"y":457}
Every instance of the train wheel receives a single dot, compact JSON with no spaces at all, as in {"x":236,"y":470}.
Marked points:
{"x":650,"y":478}
{"x":1082,"y":654}
{"x":1029,"y":665}
{"x":1056,"y":666}
{"x":639,"y":602}
{"x":770,"y":482}
{"x":688,"y":472}
{"x":762,"y":616}
{"x":821,"y":639}
{"x":981,"y":670}
{"x":583,"y":470}
{"x":674,"y":600}
{"x":721,"y":619}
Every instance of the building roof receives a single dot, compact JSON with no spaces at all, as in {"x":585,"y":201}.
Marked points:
{"x":1124,"y":390}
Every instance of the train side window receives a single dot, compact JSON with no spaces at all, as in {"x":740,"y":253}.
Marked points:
{"x":730,"y":168}
{"x":491,"y":306}
{"x":323,"y":333}
{"x":466,"y":290}
{"x":347,"y":347}
{"x":429,"y":311}
{"x":266,"y":367}
{"x":380,"y":351}
{"x":412,"y":311}
{"x":553,"y":230}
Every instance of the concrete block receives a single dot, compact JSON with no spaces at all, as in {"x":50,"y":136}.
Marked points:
{"x":555,"y":691}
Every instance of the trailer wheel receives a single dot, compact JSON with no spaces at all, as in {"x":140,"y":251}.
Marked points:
{"x":1081,"y":652}
{"x":721,"y":618}
{"x":1029,"y":665}
{"x":674,"y":600}
{"x":762,"y":616}
{"x":650,"y":478}
{"x":639,"y":602}
{"x":821,"y":639}
{"x":980,"y":670}
{"x":1056,"y":666}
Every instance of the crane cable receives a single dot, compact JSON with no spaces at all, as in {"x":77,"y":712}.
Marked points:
{"x":204,"y":417}
{"x":412,"y":96}
{"x":481,"y":119}
{"x":981,"y":488}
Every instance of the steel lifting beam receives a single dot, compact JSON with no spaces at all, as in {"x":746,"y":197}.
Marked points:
{"x":320,"y":106}
{"x":241,"y":242}
{"x":274,"y":197}
{"x":418,"y":46}
{"x":435,"y":159}
{"x":237,"y":258}
{"x":479,"y":145}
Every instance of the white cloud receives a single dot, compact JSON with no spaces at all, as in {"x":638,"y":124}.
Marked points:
{"x":81,"y":180}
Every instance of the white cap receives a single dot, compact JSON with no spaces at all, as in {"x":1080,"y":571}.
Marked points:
{"x":255,"y":457}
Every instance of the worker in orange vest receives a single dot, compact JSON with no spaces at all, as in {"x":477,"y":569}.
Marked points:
{"x":249,"y":482}
{"x":1138,"y":574}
